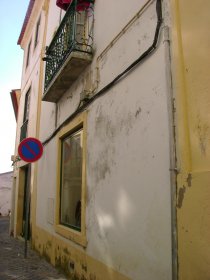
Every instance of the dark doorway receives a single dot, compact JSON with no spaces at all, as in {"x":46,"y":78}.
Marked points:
{"x":26,"y":196}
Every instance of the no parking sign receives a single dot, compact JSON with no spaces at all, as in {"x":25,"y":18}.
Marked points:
{"x":30,"y":149}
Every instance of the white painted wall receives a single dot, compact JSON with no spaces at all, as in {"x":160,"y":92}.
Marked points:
{"x":111,"y":17}
{"x":46,"y":187}
{"x":128,"y":161}
{"x":28,"y":71}
{"x":128,"y":175}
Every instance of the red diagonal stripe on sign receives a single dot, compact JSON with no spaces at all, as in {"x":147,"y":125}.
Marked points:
{"x":30,"y":150}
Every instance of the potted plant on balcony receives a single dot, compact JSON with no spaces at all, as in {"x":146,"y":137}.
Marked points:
{"x":63,"y":4}
{"x":81,"y":4}
{"x":84,"y":4}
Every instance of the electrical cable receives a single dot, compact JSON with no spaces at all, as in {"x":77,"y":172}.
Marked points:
{"x":117,"y":78}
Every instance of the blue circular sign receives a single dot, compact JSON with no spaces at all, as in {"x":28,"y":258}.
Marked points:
{"x":30,"y":149}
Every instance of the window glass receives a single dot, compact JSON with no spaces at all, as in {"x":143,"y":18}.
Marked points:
{"x":37,"y":32}
{"x":28,"y":54}
{"x":27,"y":105}
{"x":71,"y":180}
{"x":24,"y":127}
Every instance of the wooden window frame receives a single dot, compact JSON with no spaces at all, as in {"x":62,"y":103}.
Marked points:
{"x":78,"y":237}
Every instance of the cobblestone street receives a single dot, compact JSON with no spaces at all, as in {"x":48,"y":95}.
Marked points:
{"x":12,"y":262}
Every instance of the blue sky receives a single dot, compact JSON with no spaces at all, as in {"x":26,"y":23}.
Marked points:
{"x":12,"y":14}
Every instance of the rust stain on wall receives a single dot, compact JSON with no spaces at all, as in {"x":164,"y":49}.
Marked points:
{"x":181,"y":196}
{"x":202,"y":131}
{"x":189,"y":180}
{"x":138,"y":112}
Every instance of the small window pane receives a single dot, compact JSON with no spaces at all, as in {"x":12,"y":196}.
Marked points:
{"x":71,"y":181}
{"x":27,"y":105}
{"x":28,"y":54}
{"x":37,"y":32}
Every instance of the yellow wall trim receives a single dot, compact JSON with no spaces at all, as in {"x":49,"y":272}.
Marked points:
{"x":72,"y":261}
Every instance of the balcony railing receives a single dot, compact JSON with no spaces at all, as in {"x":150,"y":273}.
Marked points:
{"x":23,"y":130}
{"x":73,"y":38}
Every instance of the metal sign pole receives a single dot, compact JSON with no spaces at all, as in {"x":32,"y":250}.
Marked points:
{"x":29,"y":150}
{"x":28,"y":191}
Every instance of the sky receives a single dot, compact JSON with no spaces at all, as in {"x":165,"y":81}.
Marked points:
{"x":12,"y":14}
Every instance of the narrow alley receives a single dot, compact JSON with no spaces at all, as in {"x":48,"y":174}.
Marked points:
{"x":13,"y":265}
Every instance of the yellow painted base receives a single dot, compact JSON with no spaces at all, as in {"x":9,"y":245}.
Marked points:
{"x":75,"y":263}
{"x":193,"y":215}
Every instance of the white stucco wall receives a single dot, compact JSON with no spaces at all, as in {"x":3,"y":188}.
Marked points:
{"x":128,"y":155}
{"x":27,"y":72}
{"x":47,"y":186}
{"x":128,"y":176}
{"x":111,"y":17}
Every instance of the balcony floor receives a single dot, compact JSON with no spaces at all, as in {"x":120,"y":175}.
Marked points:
{"x":67,"y":75}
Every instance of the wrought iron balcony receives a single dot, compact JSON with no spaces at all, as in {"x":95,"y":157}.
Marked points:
{"x":69,"y":52}
{"x":23,"y":130}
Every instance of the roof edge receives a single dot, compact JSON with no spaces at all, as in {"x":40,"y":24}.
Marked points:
{"x":26,"y":20}
{"x":7,"y":172}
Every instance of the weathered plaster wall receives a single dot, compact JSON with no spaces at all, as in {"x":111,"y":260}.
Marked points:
{"x":128,"y":216}
{"x":110,"y":18}
{"x":128,"y":155}
{"x":191,"y":79}
{"x":46,"y":191}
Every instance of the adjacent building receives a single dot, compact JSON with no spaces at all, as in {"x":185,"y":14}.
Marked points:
{"x":117,"y":92}
{"x":6,"y":180}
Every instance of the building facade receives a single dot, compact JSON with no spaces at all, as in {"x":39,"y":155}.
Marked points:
{"x":117,"y":94}
{"x":6,"y":180}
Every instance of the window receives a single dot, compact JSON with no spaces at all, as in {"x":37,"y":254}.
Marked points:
{"x":26,"y":107}
{"x":37,"y":32}
{"x":70,"y":209}
{"x":24,"y":127}
{"x":71,"y":180}
{"x":28,"y":54}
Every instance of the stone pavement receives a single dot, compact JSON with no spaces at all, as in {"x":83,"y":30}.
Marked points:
{"x":14,"y":266}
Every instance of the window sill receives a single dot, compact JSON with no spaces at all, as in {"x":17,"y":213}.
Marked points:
{"x":71,"y":234}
